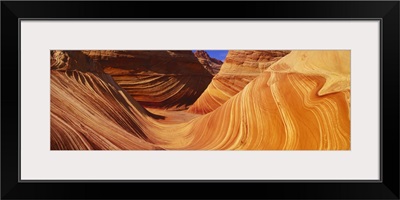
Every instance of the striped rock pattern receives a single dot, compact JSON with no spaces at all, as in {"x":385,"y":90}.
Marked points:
{"x":89,"y":111}
{"x":239,"y":68}
{"x":301,"y":102}
{"x":161,"y":79}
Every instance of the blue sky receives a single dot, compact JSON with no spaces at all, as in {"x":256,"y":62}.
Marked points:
{"x":218,"y":54}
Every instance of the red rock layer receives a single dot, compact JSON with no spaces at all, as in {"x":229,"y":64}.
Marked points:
{"x":72,"y":60}
{"x":159,"y":79}
{"x":212,"y":65}
{"x":239,"y":68}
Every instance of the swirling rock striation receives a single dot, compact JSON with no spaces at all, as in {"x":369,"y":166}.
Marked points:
{"x":240,"y":67}
{"x":301,"y":102}
{"x":158,"y":79}
{"x":89,"y":110}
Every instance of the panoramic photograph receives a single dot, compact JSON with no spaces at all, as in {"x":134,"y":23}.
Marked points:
{"x":200,"y":99}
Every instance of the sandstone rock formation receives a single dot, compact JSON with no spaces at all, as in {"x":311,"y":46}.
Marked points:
{"x":301,"y":102}
{"x":87,"y":107}
{"x":161,"y":79}
{"x":212,"y":65}
{"x":240,"y":67}
{"x":72,"y":60}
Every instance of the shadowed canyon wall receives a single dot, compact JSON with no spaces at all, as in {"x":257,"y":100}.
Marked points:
{"x":160,"y":79}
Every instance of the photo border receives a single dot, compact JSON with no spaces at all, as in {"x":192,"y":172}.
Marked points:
{"x":387,"y":187}
{"x":208,"y":180}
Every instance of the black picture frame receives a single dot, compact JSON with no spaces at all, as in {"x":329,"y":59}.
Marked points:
{"x":386,"y":11}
